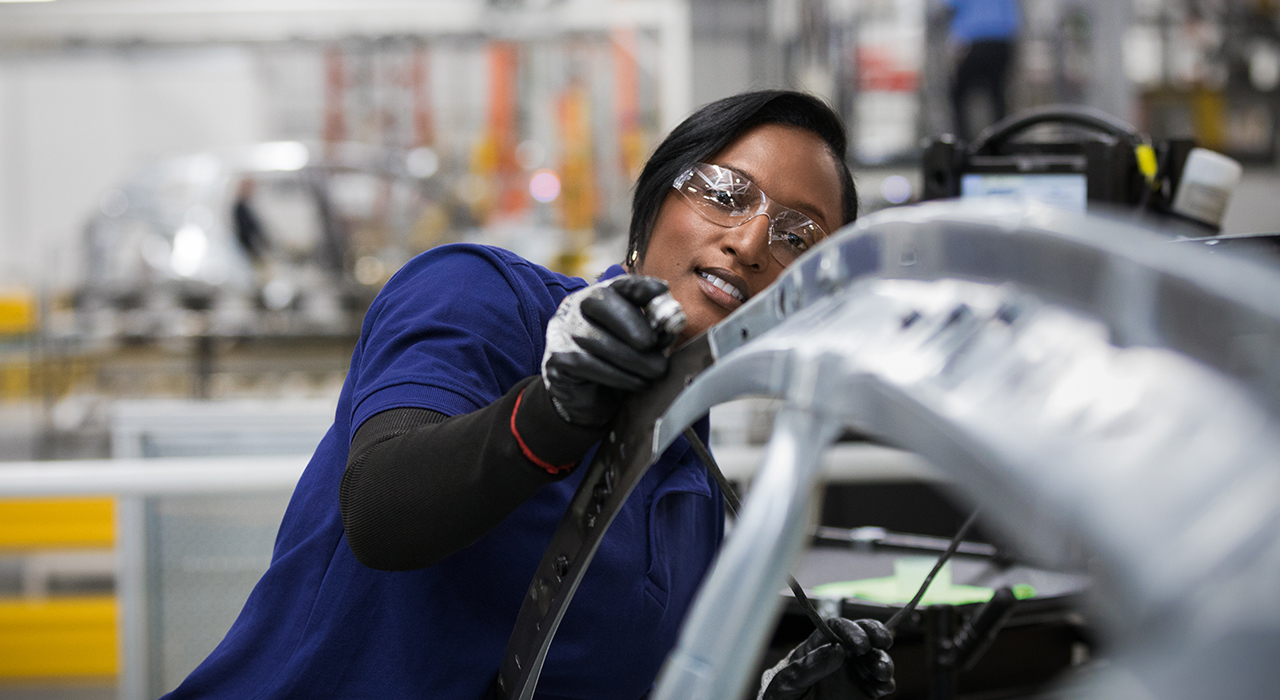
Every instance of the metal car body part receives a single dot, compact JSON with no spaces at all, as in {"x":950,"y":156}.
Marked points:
{"x":1093,"y":384}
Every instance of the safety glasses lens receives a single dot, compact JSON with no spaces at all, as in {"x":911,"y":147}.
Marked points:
{"x":724,"y":197}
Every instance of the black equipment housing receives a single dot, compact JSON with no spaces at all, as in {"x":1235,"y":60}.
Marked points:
{"x":1094,"y":144}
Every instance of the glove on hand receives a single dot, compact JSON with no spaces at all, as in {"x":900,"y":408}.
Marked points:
{"x":601,"y":347}
{"x":862,"y":653}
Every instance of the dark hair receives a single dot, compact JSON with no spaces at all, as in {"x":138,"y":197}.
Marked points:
{"x":714,"y":127}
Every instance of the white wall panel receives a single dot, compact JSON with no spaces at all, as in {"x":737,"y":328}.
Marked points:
{"x":8,"y":177}
{"x":75,"y":124}
{"x":185,"y":100}
{"x":723,"y":67}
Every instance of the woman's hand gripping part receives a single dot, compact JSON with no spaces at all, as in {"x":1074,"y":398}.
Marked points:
{"x":601,"y":346}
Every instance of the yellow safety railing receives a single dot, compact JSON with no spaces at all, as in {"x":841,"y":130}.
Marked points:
{"x":17,"y":311}
{"x":57,"y":523}
{"x":72,"y":637}
{"x":57,"y":637}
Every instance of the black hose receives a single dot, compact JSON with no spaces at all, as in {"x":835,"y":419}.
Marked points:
{"x":951,"y":549}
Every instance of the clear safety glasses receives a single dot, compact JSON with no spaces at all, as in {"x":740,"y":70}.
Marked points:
{"x":727,"y":198}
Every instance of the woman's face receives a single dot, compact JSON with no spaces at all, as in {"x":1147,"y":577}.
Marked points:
{"x":790,"y":165}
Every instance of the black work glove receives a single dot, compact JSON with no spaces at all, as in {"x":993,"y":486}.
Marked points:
{"x":601,"y":346}
{"x":861,"y":653}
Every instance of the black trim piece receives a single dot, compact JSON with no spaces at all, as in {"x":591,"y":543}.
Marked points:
{"x":623,"y":458}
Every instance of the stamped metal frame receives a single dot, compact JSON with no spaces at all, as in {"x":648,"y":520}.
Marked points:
{"x":1095,"y":384}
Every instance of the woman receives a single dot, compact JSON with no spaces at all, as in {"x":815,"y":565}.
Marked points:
{"x":480,"y":381}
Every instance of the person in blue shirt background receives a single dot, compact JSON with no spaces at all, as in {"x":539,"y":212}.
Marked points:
{"x":984,"y":32}
{"x":479,"y":383}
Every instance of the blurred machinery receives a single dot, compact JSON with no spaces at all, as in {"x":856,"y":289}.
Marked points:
{"x":281,"y":238}
{"x":1182,"y":72}
{"x":245,"y":271}
{"x":279,"y":247}
{"x":1073,"y":157}
{"x":1210,"y":72}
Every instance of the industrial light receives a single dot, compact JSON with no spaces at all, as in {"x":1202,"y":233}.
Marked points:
{"x":422,"y":162}
{"x":896,"y":189}
{"x":280,"y":155}
{"x":189,"y":246}
{"x":544,"y":186}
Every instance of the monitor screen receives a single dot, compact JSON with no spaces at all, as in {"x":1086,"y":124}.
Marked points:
{"x":1064,"y":190}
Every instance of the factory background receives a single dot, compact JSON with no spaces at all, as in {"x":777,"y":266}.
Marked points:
{"x":198,"y":200}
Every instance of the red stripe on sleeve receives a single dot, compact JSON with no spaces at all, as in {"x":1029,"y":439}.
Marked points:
{"x":528,"y":453}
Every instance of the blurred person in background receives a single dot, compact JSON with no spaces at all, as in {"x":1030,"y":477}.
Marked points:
{"x":983,"y":33}
{"x":249,"y":233}
{"x":479,"y":385}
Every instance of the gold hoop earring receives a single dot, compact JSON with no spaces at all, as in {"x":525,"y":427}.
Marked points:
{"x":632,"y":257}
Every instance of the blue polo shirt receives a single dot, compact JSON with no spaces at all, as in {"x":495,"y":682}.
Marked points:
{"x":985,"y":20}
{"x":452,"y":331}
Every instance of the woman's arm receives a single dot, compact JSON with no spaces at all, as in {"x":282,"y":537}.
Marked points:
{"x":419,"y":485}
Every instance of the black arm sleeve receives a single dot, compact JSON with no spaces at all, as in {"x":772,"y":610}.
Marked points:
{"x":419,"y":486}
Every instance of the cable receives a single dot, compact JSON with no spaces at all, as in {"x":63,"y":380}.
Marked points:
{"x":730,"y":496}
{"x":951,"y":549}
{"x":734,"y":505}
